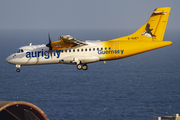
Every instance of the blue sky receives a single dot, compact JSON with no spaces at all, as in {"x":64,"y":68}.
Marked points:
{"x":83,"y":14}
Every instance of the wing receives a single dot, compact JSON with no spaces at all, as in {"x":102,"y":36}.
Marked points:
{"x":66,"y":42}
{"x":70,"y":39}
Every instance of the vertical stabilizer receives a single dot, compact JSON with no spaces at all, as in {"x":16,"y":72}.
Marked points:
{"x":153,"y":30}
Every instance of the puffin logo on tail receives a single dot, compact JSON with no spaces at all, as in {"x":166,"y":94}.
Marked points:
{"x":148,"y":32}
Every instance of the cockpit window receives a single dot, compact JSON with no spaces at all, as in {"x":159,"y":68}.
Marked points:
{"x":20,"y":51}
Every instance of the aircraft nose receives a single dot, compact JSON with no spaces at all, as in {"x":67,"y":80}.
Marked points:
{"x":9,"y":59}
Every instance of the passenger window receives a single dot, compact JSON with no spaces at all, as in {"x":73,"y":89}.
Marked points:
{"x":62,"y":51}
{"x":65,"y":50}
{"x":73,"y":50}
{"x":77,"y":50}
{"x":105,"y":48}
{"x":22,"y":50}
{"x":97,"y":48}
{"x":101,"y":48}
{"x":89,"y":49}
{"x":69,"y":50}
{"x":82,"y":50}
{"x":109,"y":48}
{"x":58,"y":51}
{"x":93,"y":49}
{"x":85,"y":49}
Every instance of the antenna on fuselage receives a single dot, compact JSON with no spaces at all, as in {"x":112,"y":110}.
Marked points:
{"x":30,"y":44}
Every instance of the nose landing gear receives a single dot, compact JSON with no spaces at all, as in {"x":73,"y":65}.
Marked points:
{"x":18,"y":68}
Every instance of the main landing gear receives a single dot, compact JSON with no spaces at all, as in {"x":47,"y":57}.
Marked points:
{"x":82,"y":66}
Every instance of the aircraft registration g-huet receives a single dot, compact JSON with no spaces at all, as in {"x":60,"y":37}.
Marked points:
{"x":69,"y":50}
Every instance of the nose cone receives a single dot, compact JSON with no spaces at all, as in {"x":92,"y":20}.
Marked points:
{"x":9,"y":59}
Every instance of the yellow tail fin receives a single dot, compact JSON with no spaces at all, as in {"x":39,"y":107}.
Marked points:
{"x":153,"y":30}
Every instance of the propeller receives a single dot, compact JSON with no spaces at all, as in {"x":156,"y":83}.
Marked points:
{"x":49,"y":45}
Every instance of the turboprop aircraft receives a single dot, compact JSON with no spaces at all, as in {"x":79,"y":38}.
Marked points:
{"x":70,"y":50}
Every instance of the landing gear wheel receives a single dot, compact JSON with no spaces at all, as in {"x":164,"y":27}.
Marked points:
{"x":84,"y":67}
{"x":79,"y":66}
{"x":18,"y":70}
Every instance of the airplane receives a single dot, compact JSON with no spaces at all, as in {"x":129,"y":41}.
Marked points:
{"x":69,"y":50}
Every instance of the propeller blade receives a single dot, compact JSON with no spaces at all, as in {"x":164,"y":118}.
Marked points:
{"x":49,"y":38}
{"x":49,"y":45}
